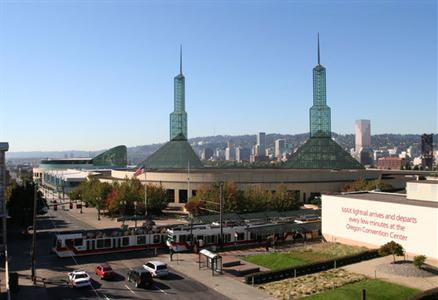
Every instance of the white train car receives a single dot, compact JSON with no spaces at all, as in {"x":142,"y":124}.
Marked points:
{"x":67,"y":244}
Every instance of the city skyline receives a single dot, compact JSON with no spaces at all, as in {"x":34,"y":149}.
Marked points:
{"x":220,"y":98}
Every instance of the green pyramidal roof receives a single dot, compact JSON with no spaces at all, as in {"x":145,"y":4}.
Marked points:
{"x":176,"y":154}
{"x":322,"y":153}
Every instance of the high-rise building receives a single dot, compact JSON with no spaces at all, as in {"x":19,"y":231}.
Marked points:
{"x":362,"y":131}
{"x":320,"y":151}
{"x":178,"y":118}
{"x":261,"y":144}
{"x":427,"y":151}
{"x":280,"y":148}
{"x":363,"y":151}
{"x":207,"y":153}
{"x":242,"y":154}
{"x":230,"y":152}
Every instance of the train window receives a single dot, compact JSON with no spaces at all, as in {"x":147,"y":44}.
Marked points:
{"x":78,"y":242}
{"x":207,"y":239}
{"x":156,"y":238}
{"x":58,"y":243}
{"x":141,"y":240}
{"x":227,"y":238}
{"x":107,"y":243}
{"x":252,"y":236}
{"x":182,"y":238}
{"x":99,"y":243}
{"x":199,"y":237}
{"x":240,"y":236}
{"x":69,"y":243}
{"x":125,"y":241}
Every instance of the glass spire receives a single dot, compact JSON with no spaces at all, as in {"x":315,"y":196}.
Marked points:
{"x":320,"y":121}
{"x":178,"y":118}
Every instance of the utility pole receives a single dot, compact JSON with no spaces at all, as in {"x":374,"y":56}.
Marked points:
{"x":35,"y":194}
{"x":221,"y":211}
{"x":145,"y":197}
{"x":188,"y":181}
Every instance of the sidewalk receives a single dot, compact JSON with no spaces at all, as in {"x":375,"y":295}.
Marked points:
{"x":227,"y":286}
{"x":369,"y":267}
{"x":27,"y":290}
{"x":89,"y":216}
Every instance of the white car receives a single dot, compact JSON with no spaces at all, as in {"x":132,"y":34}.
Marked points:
{"x":79,"y":279}
{"x":156,"y":268}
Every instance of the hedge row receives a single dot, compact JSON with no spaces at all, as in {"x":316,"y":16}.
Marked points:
{"x":431,"y":294}
{"x":268,"y":276}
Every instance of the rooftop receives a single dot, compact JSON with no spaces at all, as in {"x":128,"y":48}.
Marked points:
{"x":175,"y":154}
{"x":389,"y":197}
{"x":322,"y":153}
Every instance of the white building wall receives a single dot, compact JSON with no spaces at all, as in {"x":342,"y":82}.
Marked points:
{"x":422,"y":191}
{"x":352,"y":221}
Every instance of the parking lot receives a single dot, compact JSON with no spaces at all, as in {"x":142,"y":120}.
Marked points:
{"x":175,"y":286}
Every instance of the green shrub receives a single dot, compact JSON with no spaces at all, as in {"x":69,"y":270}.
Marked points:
{"x":392,"y":248}
{"x":419,"y":260}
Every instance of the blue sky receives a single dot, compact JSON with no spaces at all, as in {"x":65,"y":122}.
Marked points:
{"x":89,"y":75}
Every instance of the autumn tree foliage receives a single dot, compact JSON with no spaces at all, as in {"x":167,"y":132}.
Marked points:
{"x":253,"y":199}
{"x":366,"y":185}
{"x":122,"y":198}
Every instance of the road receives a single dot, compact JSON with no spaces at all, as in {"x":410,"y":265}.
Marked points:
{"x":54,"y":269}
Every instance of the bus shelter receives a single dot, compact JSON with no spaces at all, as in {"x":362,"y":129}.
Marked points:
{"x":210,"y":260}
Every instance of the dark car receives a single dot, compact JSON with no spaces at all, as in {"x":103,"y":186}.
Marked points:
{"x":140,"y":277}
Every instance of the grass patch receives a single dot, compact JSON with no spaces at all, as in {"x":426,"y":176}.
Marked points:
{"x":275,"y":261}
{"x":375,"y":289}
{"x":303,"y":255}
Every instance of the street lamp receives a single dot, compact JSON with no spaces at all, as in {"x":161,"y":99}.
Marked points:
{"x":145,"y":198}
{"x":80,"y":198}
{"x":35,"y":194}
{"x":124,"y":212}
{"x":135,"y":216}
{"x":98,"y":198}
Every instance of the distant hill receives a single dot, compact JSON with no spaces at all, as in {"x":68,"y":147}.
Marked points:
{"x":139,"y":153}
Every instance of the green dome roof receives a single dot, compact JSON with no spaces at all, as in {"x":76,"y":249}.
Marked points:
{"x":176,"y":154}
{"x":322,"y":153}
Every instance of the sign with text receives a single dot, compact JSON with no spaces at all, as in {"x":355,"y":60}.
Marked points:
{"x":377,"y":222}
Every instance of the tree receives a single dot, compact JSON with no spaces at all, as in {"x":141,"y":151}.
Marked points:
{"x":419,"y":260}
{"x":19,"y":201}
{"x":94,"y":193}
{"x":253,"y":199}
{"x":364,"y":185}
{"x":196,"y":207}
{"x":125,"y":198}
{"x":284,"y":200}
{"x":157,"y":199}
{"x":392,"y":248}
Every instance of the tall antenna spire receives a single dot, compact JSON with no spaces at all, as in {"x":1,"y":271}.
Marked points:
{"x":180,"y":59}
{"x":319,"y":59}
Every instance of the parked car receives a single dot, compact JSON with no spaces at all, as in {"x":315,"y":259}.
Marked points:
{"x":104,"y":271}
{"x":79,"y":279}
{"x":156,"y":268}
{"x":140,"y":277}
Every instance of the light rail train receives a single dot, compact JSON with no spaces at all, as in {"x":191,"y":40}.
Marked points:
{"x":182,"y":237}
